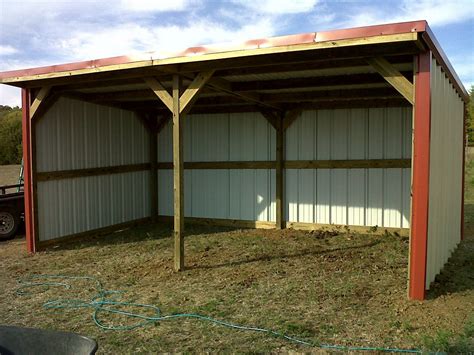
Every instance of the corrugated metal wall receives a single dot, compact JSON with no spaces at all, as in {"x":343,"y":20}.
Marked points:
{"x":77,"y":135}
{"x":445,"y":193}
{"x":350,"y":196}
{"x":231,"y":194}
{"x":341,"y":196}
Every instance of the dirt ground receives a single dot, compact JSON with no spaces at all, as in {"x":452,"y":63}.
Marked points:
{"x":9,"y":174}
{"x":333,"y":289}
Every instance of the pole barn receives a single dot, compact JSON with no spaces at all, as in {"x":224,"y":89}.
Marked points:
{"x":362,"y":128}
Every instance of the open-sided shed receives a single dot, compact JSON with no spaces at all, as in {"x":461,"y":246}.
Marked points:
{"x":360,"y":128}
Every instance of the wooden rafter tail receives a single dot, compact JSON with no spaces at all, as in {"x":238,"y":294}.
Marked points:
{"x":394,"y":77}
{"x":39,"y":100}
{"x":160,"y":91}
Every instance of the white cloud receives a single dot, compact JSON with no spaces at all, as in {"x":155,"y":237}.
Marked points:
{"x":132,"y":38}
{"x":7,"y":50}
{"x":278,"y":7}
{"x":436,"y":12}
{"x":154,"y":5}
{"x":10,"y":96}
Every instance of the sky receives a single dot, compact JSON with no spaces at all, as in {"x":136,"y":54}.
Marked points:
{"x":44,"y":32}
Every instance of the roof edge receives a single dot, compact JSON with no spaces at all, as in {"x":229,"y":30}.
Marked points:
{"x":433,"y":44}
{"x":288,"y":40}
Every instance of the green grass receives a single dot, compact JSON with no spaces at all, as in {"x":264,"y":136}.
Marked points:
{"x":449,"y":342}
{"x":333,"y":289}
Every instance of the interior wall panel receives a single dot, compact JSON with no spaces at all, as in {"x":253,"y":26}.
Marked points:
{"x":372,"y":197}
{"x":228,"y":193}
{"x":78,"y":135}
{"x":446,"y":159}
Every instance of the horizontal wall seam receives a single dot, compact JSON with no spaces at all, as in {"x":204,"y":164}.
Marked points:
{"x":108,"y":170}
{"x":296,"y":164}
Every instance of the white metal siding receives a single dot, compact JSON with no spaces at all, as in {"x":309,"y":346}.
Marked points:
{"x":349,"y":196}
{"x":78,"y":135}
{"x":445,"y":196}
{"x":231,"y":194}
{"x":340,"y":196}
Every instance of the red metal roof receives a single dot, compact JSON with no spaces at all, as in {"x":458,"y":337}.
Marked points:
{"x":312,"y":37}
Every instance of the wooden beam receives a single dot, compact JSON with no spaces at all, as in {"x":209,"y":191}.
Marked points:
{"x":403,"y":43}
{"x":348,"y":164}
{"x":393,"y":76}
{"x":290,"y":117}
{"x":39,"y":99}
{"x":309,"y":105}
{"x":295,"y":164}
{"x":326,"y":95}
{"x":271,"y":117}
{"x":178,"y":176}
{"x":225,"y":86}
{"x":222,"y":165}
{"x":160,"y":91}
{"x":315,"y":81}
{"x":109,"y":170}
{"x":191,"y":93}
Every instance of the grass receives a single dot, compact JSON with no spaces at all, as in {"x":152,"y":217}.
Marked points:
{"x":336,"y":289}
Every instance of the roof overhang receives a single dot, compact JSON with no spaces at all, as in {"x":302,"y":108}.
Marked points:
{"x":276,"y":70}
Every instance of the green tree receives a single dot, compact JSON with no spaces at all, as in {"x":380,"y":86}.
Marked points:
{"x":10,"y":135}
{"x":470,"y":117}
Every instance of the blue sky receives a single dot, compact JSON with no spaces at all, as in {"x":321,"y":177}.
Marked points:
{"x":38,"y":32}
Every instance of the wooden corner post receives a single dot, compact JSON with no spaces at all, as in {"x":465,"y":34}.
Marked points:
{"x":178,"y":176}
{"x":27,"y":173}
{"x":420,"y":178}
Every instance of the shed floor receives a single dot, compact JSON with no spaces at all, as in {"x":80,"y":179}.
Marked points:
{"x":344,"y":289}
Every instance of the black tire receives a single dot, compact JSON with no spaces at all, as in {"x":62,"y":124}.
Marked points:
{"x":9,"y":222}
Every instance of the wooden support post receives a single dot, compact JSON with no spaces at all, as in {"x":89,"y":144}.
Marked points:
{"x":178,"y":176}
{"x":153,"y":168}
{"x":279,"y":174}
{"x":394,"y":77}
{"x":179,"y":105}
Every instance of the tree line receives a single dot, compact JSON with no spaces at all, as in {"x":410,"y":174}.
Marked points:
{"x":10,"y":135}
{"x":10,"y":131}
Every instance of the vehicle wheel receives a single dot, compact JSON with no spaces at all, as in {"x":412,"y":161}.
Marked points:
{"x":9,"y":222}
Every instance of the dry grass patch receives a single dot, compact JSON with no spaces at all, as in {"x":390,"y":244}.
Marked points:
{"x":344,"y":289}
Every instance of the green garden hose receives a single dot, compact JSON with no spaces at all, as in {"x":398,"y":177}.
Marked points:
{"x":105,"y":301}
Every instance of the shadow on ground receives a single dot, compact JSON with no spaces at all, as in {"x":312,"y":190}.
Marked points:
{"x":142,"y":232}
